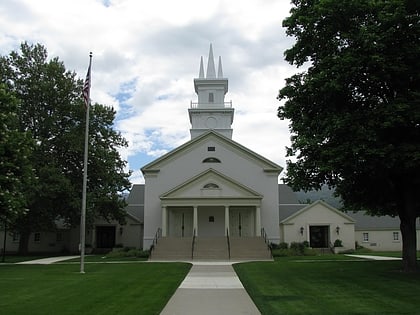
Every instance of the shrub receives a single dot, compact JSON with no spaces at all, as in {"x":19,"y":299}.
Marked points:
{"x":338,"y":243}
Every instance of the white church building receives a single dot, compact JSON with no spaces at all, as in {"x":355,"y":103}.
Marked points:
{"x":211,"y":186}
{"x":213,"y":198}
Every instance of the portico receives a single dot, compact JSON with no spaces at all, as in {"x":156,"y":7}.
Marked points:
{"x":211,"y":218}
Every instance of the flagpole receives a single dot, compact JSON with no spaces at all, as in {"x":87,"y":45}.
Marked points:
{"x":86,"y":94}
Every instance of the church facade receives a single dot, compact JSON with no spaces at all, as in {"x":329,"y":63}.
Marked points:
{"x":211,"y":186}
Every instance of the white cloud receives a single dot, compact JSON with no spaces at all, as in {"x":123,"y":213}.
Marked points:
{"x":146,"y":54}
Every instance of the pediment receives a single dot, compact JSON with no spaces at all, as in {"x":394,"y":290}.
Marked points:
{"x":211,"y":184}
{"x":154,"y":167}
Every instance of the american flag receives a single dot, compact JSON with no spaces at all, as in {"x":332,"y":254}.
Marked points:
{"x":86,"y":86}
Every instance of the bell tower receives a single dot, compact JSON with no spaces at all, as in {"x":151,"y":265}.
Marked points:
{"x":211,"y":111}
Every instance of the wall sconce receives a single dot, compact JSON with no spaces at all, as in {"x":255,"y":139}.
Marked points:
{"x":301,"y":230}
{"x":337,"y":230}
{"x":121,"y":230}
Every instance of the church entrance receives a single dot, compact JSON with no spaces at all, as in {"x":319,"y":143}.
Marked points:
{"x":241,"y":221}
{"x":105,"y":236}
{"x":319,"y":236}
{"x":180,"y":222}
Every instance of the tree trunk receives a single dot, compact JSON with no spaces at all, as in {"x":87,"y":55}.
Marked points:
{"x":24,"y":242}
{"x":408,"y":216}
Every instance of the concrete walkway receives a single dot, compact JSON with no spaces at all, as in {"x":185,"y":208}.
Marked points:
{"x":371,"y":257}
{"x":46,"y":261}
{"x":208,"y":289}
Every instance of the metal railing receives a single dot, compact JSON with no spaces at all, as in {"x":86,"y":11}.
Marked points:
{"x":192,"y":245}
{"x":158,"y":235}
{"x":210,"y":105}
{"x":267,"y":241}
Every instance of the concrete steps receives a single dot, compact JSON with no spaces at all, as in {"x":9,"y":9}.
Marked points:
{"x":249,"y":248}
{"x":172,"y":249}
{"x":210,"y":249}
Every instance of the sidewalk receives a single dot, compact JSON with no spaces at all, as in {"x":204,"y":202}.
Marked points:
{"x":371,"y":257}
{"x":211,"y":288}
{"x":46,"y":261}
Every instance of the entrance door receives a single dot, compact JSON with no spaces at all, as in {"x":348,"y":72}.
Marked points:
{"x":105,"y":236}
{"x":319,"y":236}
{"x":181,"y":222}
{"x":241,"y":222}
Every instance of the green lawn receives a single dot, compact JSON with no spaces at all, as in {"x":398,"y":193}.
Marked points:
{"x":288,"y":286}
{"x":134,"y":288}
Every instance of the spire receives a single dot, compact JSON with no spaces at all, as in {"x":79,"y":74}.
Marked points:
{"x":201,"y":74}
{"x":211,"y":71}
{"x":219,"y":69}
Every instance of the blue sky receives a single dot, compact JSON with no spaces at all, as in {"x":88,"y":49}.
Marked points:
{"x":147,"y":53}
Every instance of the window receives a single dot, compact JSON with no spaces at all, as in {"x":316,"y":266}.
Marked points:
{"x":365,"y":237}
{"x":37,"y":237}
{"x":211,"y":149}
{"x":211,"y":186}
{"x":211,"y":97}
{"x":16,"y":237}
{"x":59,"y":237}
{"x":396,"y":236}
{"x":211,"y":160}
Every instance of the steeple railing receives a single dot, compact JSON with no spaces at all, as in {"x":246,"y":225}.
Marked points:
{"x":195,"y":105}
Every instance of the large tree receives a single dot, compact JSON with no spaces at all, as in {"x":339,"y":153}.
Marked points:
{"x":52,"y":111}
{"x":15,"y":154}
{"x":355,"y":110}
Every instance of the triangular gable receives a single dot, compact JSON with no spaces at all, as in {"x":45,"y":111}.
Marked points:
{"x":312,"y":205}
{"x":155,"y":165}
{"x":210,"y":184}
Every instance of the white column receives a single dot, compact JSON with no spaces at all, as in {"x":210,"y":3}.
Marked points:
{"x":226,"y":220}
{"x":195,"y":220}
{"x":257,"y":221}
{"x":164,"y":221}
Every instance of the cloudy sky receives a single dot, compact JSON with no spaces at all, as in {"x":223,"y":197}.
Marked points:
{"x":146,"y":54}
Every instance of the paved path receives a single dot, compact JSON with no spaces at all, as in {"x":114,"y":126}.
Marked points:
{"x":209,"y":289}
{"x":374,"y":257}
{"x":46,"y":261}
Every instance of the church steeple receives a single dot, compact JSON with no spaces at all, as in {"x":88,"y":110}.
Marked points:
{"x":211,"y":111}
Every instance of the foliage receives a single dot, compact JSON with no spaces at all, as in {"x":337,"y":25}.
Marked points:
{"x":296,"y":249}
{"x":15,"y":153}
{"x":354,"y":112}
{"x":128,"y":252}
{"x":338,"y":243}
{"x":52,"y":110}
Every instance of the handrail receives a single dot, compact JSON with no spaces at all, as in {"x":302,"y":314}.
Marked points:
{"x":228,"y":241}
{"x":192,"y":246}
{"x":158,"y":235}
{"x":266,"y":240}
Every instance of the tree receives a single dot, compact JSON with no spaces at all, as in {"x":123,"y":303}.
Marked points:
{"x":355,"y":110}
{"x":52,"y":110}
{"x":15,"y":165}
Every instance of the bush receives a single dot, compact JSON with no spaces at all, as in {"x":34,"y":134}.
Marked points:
{"x":338,"y":243}
{"x":282,"y":245}
{"x":128,"y":252}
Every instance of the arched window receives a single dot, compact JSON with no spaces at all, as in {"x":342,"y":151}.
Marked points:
{"x":211,"y":186}
{"x":211,"y":160}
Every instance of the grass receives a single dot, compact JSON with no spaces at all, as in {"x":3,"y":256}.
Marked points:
{"x":135,"y":288}
{"x":287,"y":286}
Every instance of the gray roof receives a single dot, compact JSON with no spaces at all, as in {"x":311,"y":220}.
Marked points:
{"x":135,"y":202}
{"x":289,"y":203}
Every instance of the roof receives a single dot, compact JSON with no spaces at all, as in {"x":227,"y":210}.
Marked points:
{"x":312,"y":205}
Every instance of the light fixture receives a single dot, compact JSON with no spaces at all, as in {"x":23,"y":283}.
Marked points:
{"x":337,"y":230}
{"x":301,"y":230}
